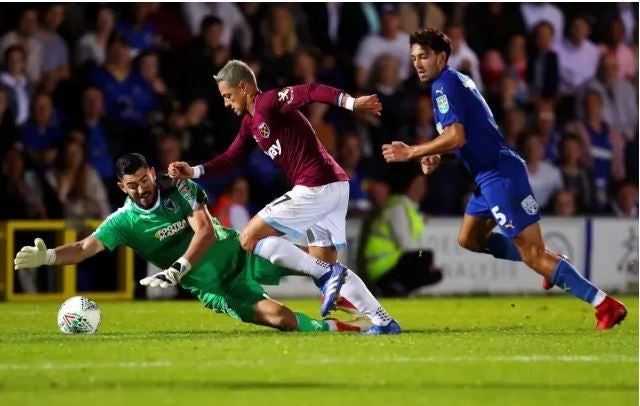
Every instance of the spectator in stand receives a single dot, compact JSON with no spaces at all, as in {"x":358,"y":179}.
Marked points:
{"x":24,"y":35}
{"x":462,"y":57}
{"x":55,"y":55}
{"x":564,"y":204}
{"x":231,"y":208}
{"x":9,"y":136}
{"x":127,"y":96}
{"x":515,"y":124}
{"x":91,"y":48}
{"x":534,"y":13}
{"x":78,"y":185}
{"x":136,"y":28}
{"x":576,"y":176}
{"x":545,"y":178}
{"x":418,"y":15}
{"x":353,"y":164}
{"x":41,"y":135}
{"x":620,"y":108}
{"x":156,"y":95}
{"x":512,"y":94}
{"x":490,"y":25}
{"x":604,"y":147}
{"x":493,"y":70}
{"x":391,"y":41}
{"x":281,"y":42}
{"x":20,"y":189}
{"x":423,"y":128}
{"x":14,"y":78}
{"x":516,"y":58}
{"x":168,"y":149}
{"x":198,"y":133}
{"x":577,"y":56}
{"x":103,"y":135}
{"x":545,"y":126}
{"x":235,"y":27}
{"x":542,"y":69}
{"x":626,"y":201}
{"x":615,"y":44}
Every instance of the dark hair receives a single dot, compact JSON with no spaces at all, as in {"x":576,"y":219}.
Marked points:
{"x":208,"y":22}
{"x":12,"y":49}
{"x":116,"y":37}
{"x":129,"y":164}
{"x":433,"y":39}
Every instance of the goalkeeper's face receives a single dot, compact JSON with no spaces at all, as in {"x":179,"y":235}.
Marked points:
{"x":141,"y":187}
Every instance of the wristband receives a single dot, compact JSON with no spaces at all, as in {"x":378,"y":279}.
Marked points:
{"x":349,"y":103}
{"x":50,"y":257}
{"x":183,"y":265}
{"x":197,"y":171}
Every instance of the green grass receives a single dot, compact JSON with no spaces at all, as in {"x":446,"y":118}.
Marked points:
{"x":506,"y":351}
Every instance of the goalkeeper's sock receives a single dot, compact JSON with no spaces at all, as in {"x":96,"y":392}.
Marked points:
{"x":356,"y":292}
{"x":308,"y":325}
{"x":284,"y":253}
{"x":567,"y":277}
{"x":501,"y":246}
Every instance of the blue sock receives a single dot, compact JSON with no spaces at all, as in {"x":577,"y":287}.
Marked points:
{"x":501,"y":246}
{"x":566,"y":277}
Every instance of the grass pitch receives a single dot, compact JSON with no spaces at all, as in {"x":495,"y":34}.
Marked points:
{"x":508,"y":351}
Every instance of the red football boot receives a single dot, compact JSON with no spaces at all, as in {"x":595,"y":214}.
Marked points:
{"x":609,"y":313}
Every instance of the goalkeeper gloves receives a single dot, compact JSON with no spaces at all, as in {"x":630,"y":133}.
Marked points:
{"x":169,"y":277}
{"x":33,"y":257}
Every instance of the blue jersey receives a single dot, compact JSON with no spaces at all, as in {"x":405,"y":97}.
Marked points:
{"x":456,"y":100}
{"x":503,"y":190}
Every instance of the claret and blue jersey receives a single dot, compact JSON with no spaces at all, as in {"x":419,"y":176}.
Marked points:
{"x":503,"y":190}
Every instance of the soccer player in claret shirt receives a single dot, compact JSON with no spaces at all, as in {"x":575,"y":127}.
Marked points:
{"x":503,"y":194}
{"x":168,"y":224}
{"x":316,"y":207}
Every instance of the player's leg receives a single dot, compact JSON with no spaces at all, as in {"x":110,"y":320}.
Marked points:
{"x":324,"y":238}
{"x":562,"y":273}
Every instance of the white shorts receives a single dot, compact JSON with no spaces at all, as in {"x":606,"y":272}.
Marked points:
{"x":312,"y":216}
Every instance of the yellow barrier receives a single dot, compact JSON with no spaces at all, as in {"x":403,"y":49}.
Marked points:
{"x":67,"y":277}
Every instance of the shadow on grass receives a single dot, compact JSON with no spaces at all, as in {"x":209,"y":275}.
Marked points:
{"x":139,"y":385}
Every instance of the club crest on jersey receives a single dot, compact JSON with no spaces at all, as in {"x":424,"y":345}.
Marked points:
{"x":443,"y":103}
{"x":170,"y":205}
{"x":529,"y":205}
{"x":264,"y":130}
{"x":286,"y":95}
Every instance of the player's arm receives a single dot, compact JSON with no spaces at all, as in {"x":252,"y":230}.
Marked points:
{"x":240,"y":148}
{"x":452,"y":138}
{"x":293,"y":97}
{"x":39,"y":254}
{"x":204,"y":236}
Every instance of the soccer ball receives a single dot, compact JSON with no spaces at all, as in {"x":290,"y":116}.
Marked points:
{"x":79,"y":315}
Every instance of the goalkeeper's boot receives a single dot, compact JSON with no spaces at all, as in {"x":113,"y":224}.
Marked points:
{"x":546,"y":284}
{"x":355,"y":325}
{"x":609,"y":313}
{"x":330,"y":283}
{"x":392,"y":328}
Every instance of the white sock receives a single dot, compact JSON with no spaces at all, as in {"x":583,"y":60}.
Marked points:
{"x":598,"y":298}
{"x":284,"y":253}
{"x":356,"y":292}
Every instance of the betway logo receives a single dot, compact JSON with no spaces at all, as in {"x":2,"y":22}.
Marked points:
{"x":170,"y":230}
{"x":274,"y":150}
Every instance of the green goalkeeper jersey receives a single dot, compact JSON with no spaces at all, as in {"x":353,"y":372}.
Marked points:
{"x":162,"y":234}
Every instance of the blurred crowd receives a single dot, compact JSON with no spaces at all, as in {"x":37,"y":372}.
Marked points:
{"x":82,"y":83}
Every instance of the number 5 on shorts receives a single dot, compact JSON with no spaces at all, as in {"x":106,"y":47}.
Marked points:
{"x":500,"y":218}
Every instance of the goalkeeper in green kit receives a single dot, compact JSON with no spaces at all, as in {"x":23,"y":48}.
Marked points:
{"x":168,"y":224}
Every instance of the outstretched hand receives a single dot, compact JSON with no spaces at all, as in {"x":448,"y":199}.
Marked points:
{"x":397,"y":151}
{"x":180,"y":170}
{"x":429,"y":163}
{"x":368,"y":104}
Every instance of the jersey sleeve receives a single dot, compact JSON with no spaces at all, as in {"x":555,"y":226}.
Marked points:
{"x":192,"y":194}
{"x":292,"y":98}
{"x":239,"y":149}
{"x":445,"y":104}
{"x":112,"y":231}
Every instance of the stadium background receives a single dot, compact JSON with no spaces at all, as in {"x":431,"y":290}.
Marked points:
{"x":65,"y":118}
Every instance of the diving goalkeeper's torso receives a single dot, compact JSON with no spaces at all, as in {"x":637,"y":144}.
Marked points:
{"x":162,"y":234}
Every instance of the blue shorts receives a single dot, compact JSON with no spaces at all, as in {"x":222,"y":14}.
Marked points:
{"x":505,"y":195}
